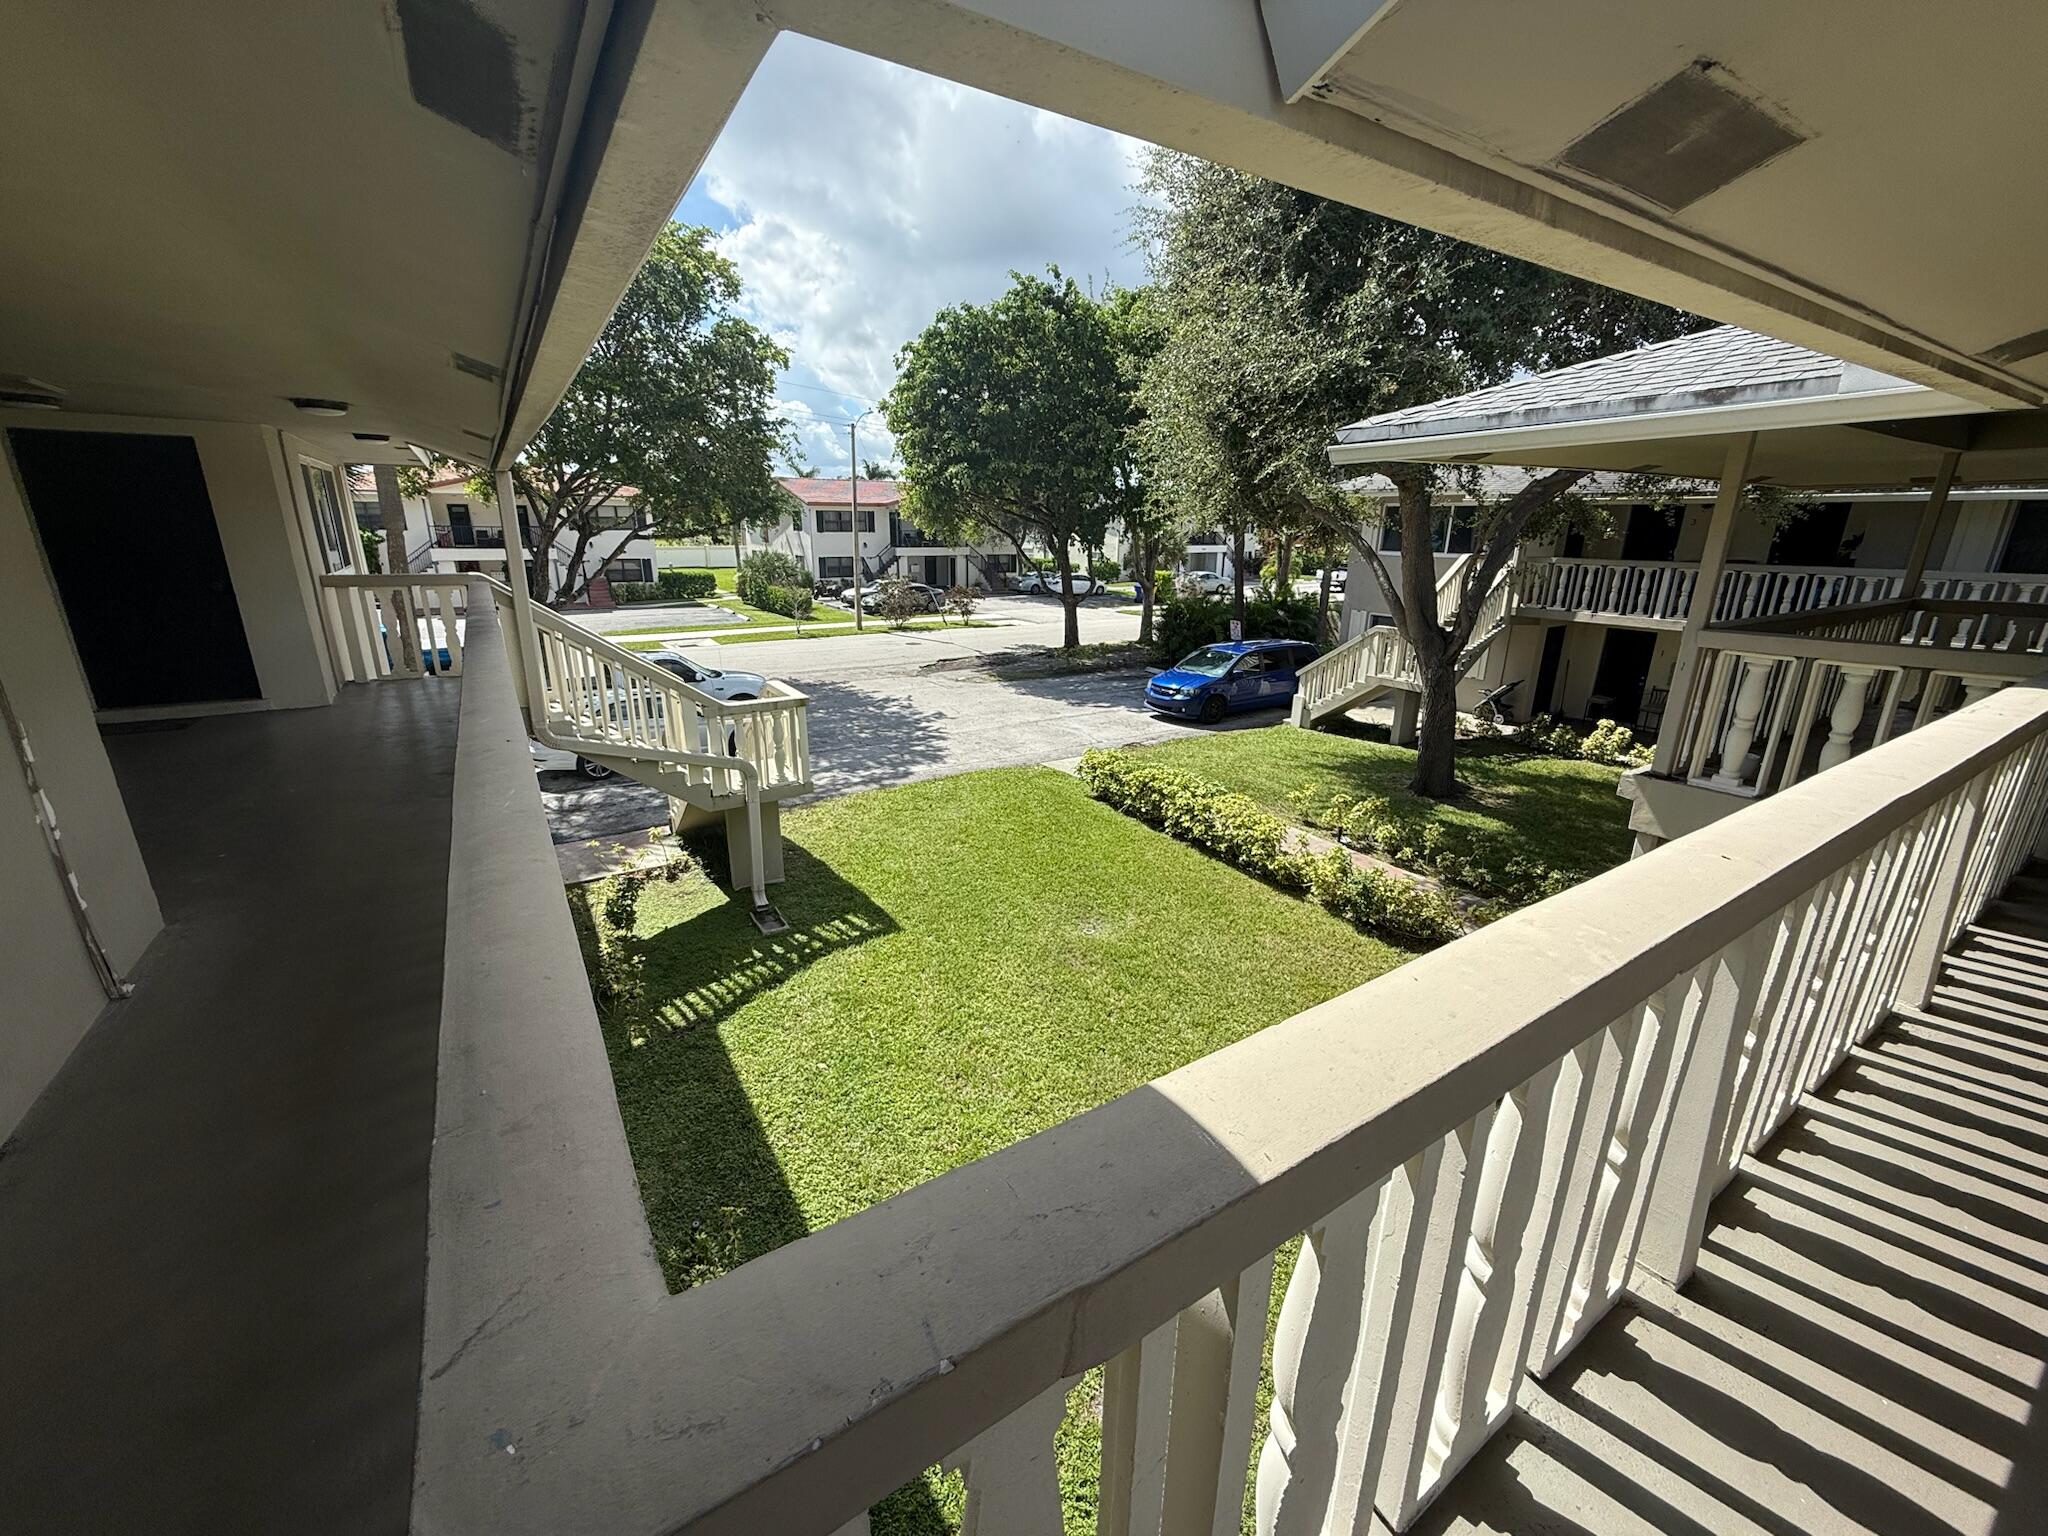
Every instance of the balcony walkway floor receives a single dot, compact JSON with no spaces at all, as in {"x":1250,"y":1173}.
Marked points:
{"x":1862,"y":1346}
{"x":215,"y":1218}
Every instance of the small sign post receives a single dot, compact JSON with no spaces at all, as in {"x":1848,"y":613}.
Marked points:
{"x":1237,"y":629}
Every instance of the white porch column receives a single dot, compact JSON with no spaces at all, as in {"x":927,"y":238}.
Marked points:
{"x":1846,"y":715}
{"x":1923,"y":537}
{"x":1975,"y":688}
{"x":1713,"y":560}
{"x":528,"y":657}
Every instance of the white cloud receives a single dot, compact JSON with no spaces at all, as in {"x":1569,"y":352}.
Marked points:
{"x":863,"y":197}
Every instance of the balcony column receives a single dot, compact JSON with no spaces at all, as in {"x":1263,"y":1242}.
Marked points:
{"x":1713,"y":561}
{"x":1923,"y":537}
{"x":1975,"y":688}
{"x":528,"y":655}
{"x":1846,"y":715}
{"x":1749,"y":704}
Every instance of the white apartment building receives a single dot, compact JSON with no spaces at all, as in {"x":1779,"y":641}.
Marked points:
{"x":1707,"y":1196}
{"x":819,"y":532}
{"x":450,"y":529}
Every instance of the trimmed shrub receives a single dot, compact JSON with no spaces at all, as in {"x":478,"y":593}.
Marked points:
{"x":1452,"y":854}
{"x":1188,"y":621}
{"x":783,"y":600}
{"x":1105,"y":570}
{"x":1237,"y":829}
{"x":685,"y":582}
{"x":1607,"y":742}
{"x":767,"y":568}
{"x":634,"y":591}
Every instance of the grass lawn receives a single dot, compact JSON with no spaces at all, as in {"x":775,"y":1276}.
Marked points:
{"x":1560,"y":810}
{"x":970,"y":960}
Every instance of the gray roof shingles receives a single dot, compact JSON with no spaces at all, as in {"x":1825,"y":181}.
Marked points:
{"x":1723,"y":365}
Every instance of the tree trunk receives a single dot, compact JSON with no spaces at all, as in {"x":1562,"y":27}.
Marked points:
{"x":1436,"y":740}
{"x":1070,"y":600}
{"x":1237,"y":579}
{"x":1283,"y":567}
{"x":1146,"y":560}
{"x":1323,"y":608}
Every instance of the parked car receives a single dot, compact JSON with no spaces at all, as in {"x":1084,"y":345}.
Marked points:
{"x":1210,"y":583}
{"x":732,"y":687}
{"x":931,"y":599}
{"x":1048,"y":583}
{"x":1337,"y":578}
{"x":1232,"y":674}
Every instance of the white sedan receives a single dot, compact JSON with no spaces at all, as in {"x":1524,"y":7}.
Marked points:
{"x":1210,"y":583}
{"x":729,"y":686}
{"x":1049,"y":584}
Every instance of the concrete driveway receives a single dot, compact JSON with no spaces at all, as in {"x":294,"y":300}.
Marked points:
{"x":878,"y":718}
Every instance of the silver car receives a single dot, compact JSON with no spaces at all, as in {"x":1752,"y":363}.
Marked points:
{"x":731,"y":687}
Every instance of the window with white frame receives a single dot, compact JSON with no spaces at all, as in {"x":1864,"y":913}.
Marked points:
{"x":338,"y":545}
{"x":629,"y":570}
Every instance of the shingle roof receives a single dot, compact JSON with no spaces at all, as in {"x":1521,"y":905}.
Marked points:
{"x":834,"y":493}
{"x":1722,"y":366}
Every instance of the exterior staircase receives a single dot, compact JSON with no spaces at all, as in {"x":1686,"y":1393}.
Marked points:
{"x":714,"y":758}
{"x":1867,"y":1322}
{"x":876,"y":569}
{"x":1380,"y":661}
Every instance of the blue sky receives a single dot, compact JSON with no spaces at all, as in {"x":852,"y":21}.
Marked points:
{"x":858,"y":198}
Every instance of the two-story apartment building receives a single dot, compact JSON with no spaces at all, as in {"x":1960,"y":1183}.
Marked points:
{"x":819,"y":531}
{"x":1703,"y":1197}
{"x":450,"y":529}
{"x":1596,"y":615}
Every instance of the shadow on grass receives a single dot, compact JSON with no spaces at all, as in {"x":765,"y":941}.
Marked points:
{"x":714,"y":1189}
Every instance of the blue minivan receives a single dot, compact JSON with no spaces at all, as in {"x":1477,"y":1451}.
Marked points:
{"x":1231,"y":674}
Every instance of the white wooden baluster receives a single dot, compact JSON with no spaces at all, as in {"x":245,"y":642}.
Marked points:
{"x":1493,"y":1288}
{"x":1137,"y":1397}
{"x":1706,"y":1072}
{"x":1753,"y":675}
{"x":1013,"y":1483}
{"x":1420,"y":1332}
{"x":1314,"y":1343}
{"x":1846,"y":715}
{"x":1217,"y":1352}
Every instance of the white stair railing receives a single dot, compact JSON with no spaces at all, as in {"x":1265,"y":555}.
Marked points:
{"x":607,"y":703}
{"x":1382,"y":657}
{"x":388,"y":628}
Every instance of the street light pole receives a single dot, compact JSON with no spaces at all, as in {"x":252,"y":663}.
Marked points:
{"x":853,"y":507}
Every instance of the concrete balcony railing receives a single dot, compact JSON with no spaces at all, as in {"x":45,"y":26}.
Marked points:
{"x":1783,"y":698}
{"x":1479,"y":1152}
{"x":1656,"y":594}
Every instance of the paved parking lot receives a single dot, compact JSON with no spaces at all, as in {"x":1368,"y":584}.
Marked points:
{"x":877,"y":718}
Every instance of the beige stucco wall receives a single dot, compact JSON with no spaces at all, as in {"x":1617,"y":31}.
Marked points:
{"x":48,"y":994}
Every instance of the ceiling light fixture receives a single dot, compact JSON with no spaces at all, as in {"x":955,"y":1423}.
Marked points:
{"x":312,"y":405}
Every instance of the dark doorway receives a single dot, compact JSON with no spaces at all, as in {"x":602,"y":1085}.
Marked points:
{"x":1652,"y":534}
{"x":1812,"y":538}
{"x":128,"y":530}
{"x":1542,"y":701}
{"x":1623,"y":674}
{"x":2026,"y":547}
{"x":938,"y":571}
{"x":461,"y":527}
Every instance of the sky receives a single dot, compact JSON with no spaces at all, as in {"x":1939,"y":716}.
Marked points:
{"x":858,"y":198}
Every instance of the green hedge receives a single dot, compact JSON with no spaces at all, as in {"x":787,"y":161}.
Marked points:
{"x":790,"y":602}
{"x":686,"y":582}
{"x":633,"y":591}
{"x":1186,"y":624}
{"x":1463,"y":858}
{"x":1237,"y":829}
